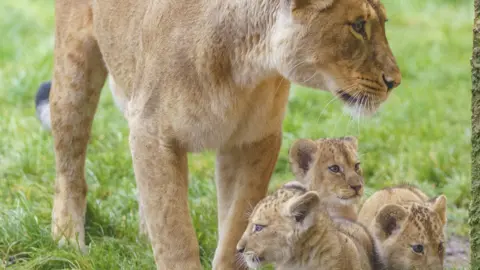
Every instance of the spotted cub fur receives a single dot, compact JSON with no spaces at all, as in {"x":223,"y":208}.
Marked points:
{"x":408,"y":226}
{"x":291,"y":229}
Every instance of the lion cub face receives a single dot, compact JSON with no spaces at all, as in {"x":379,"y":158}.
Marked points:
{"x":329,"y":166}
{"x":412,"y":237}
{"x":339,"y":46}
{"x":276,"y":224}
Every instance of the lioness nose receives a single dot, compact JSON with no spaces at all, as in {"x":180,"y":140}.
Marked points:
{"x":389,"y":82}
{"x":356,"y":188}
{"x":240,"y":249}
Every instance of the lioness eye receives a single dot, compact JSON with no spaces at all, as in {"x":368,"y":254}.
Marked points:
{"x":417,"y":248}
{"x":334,"y":168}
{"x":359,"y":26}
{"x":257,"y":228}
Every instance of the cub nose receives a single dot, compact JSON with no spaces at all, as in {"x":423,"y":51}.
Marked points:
{"x":240,"y":249}
{"x":356,"y":188}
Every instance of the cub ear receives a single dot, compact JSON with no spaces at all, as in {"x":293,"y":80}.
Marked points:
{"x":440,"y":207}
{"x":352,"y":140}
{"x":388,"y":220}
{"x":301,"y":157}
{"x":318,"y":4}
{"x":295,"y":185}
{"x":303,"y":208}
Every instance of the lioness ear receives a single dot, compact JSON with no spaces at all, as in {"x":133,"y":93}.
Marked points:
{"x":303,"y":209}
{"x":318,"y":4}
{"x":352,"y":140}
{"x":440,"y":207}
{"x":388,"y":220}
{"x":301,"y":156}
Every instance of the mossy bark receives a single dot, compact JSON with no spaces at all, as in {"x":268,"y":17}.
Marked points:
{"x":475,"y":203}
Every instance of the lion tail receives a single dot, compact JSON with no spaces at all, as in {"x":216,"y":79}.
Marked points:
{"x":42,"y":106}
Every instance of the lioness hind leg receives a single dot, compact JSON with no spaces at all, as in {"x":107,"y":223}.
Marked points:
{"x":242,"y":177}
{"x":79,"y":75}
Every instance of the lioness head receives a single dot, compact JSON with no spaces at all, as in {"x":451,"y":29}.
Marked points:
{"x":276,"y":224}
{"x":339,"y":46}
{"x":412,"y":238}
{"x":329,"y":166}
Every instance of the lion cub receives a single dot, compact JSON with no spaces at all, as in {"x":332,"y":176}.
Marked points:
{"x":291,"y":230}
{"x":408,"y":227}
{"x":331,"y":167}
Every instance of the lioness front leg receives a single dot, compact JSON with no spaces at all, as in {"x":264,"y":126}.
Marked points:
{"x":79,"y":74}
{"x":161,"y":172}
{"x":242,"y":176}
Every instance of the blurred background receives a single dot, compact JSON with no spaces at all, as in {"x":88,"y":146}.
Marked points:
{"x":421,"y":136}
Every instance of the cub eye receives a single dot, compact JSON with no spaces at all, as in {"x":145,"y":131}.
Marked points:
{"x":257,"y":228}
{"x":359,"y":26}
{"x":357,"y":166}
{"x":334,"y":168}
{"x":417,"y":248}
{"x":440,"y":248}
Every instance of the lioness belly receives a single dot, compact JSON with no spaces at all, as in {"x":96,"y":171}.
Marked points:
{"x":261,"y":115}
{"x":117,"y":30}
{"x":246,"y":119}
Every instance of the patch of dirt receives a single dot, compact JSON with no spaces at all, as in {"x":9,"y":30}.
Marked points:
{"x":457,"y":253}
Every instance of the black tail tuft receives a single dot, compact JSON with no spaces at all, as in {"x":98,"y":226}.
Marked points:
{"x":42,"y":105}
{"x":43,"y":93}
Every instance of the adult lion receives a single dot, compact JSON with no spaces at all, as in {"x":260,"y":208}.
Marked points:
{"x":196,"y":75}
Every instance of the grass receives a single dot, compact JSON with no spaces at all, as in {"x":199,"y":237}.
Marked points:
{"x":422,"y":136}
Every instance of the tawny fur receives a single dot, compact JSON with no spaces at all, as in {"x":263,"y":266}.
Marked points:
{"x":297,"y":233}
{"x":312,"y":161}
{"x":197,"y":75}
{"x":401,"y":217}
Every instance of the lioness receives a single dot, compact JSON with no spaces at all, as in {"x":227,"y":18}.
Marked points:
{"x":331,"y":167}
{"x":408,"y":226}
{"x":198,"y":75}
{"x":292,"y":230}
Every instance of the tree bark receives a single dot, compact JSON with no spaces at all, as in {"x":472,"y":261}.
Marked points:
{"x":475,"y":203}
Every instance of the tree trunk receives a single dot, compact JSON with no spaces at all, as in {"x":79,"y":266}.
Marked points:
{"x":475,"y":203}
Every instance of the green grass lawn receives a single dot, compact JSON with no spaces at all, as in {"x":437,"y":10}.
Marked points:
{"x":422,"y":136}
